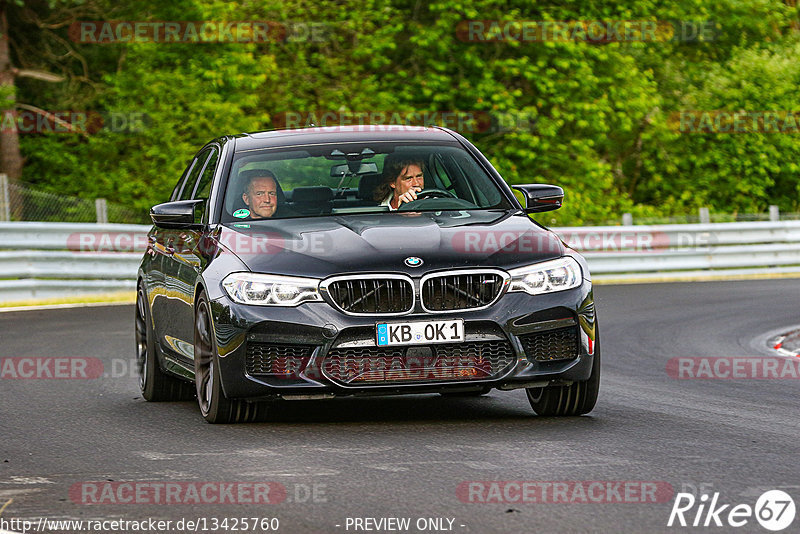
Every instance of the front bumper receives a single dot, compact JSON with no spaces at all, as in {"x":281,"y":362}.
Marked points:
{"x":316,"y":330}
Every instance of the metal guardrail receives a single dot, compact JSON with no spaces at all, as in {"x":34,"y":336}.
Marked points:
{"x":73,"y":236}
{"x":683,"y":249}
{"x":68,"y":265}
{"x":43,"y":260}
{"x":51,"y":260}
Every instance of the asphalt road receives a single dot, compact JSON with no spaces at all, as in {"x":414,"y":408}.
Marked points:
{"x":406,"y":456}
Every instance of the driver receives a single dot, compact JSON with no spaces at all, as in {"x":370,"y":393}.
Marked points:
{"x":261,"y":194}
{"x":403,"y":179}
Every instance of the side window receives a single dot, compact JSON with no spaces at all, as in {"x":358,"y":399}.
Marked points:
{"x":440,"y":174}
{"x":204,"y":184}
{"x":179,"y":186}
{"x":191,"y":180}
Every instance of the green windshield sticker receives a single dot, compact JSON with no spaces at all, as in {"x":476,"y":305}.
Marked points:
{"x":239,"y":225}
{"x":241,"y":214}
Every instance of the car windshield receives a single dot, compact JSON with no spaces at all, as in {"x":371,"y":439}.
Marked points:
{"x":370,"y":177}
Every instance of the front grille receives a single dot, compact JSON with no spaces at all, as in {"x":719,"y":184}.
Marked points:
{"x":452,"y":292}
{"x":371,"y":365}
{"x":276,"y":359}
{"x":372,"y":295}
{"x":558,"y":344}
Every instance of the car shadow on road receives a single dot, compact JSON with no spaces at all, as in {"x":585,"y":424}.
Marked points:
{"x":497,"y":407}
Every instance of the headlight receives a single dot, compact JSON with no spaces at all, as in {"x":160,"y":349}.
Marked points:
{"x":270,"y":290}
{"x":546,"y":277}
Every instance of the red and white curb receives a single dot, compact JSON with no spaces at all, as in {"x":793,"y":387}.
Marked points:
{"x":777,"y":345}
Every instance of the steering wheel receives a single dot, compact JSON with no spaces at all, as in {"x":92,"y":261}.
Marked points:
{"x":434,"y":193}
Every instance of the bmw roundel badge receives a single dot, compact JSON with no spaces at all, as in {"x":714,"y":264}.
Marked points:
{"x":413,"y":261}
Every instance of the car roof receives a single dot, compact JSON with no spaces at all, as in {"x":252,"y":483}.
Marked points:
{"x":341,"y":134}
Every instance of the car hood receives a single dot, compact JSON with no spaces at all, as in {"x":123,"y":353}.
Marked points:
{"x":322,"y":246}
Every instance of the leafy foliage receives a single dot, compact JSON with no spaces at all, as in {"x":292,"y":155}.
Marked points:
{"x":593,"y":117}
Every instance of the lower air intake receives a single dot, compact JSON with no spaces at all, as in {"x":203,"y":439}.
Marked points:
{"x":558,"y":344}
{"x":275,"y":359}
{"x":371,"y":365}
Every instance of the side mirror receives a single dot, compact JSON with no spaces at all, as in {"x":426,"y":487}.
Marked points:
{"x":541,"y":197}
{"x":179,"y":214}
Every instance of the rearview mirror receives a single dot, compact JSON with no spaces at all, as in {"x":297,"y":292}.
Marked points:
{"x":178,"y":214}
{"x":541,"y":197}
{"x":367,"y":167}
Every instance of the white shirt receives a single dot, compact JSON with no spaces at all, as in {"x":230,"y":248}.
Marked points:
{"x":388,"y":201}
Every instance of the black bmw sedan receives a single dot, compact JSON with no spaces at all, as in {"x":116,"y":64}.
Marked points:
{"x":363,"y":260}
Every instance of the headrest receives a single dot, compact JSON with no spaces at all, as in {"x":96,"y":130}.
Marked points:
{"x":312,"y":194}
{"x":367,"y":186}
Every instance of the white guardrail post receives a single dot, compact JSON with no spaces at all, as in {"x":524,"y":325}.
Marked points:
{"x":101,"y":208}
{"x":50,"y":260}
{"x":5,"y":199}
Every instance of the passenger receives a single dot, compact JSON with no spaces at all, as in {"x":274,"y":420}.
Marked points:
{"x":403,"y":179}
{"x":261,"y":195}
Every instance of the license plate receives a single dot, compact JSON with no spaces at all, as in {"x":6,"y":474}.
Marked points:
{"x":415,"y":332}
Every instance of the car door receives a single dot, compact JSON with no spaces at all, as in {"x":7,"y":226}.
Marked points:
{"x":183,"y":262}
{"x":159,"y":243}
{"x":165,"y":244}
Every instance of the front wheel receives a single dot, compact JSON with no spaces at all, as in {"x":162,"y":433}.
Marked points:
{"x":214,"y":405}
{"x":576,"y":399}
{"x":154,"y":384}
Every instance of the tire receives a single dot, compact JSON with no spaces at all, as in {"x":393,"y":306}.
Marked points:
{"x":478,"y":393}
{"x":576,"y":399}
{"x":215,"y":407}
{"x":155,"y":385}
